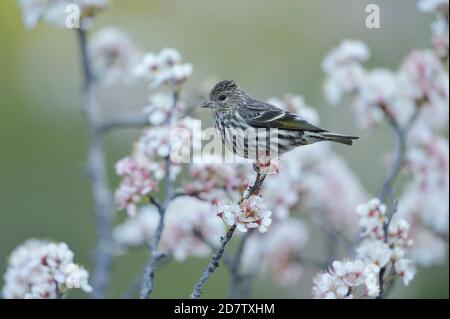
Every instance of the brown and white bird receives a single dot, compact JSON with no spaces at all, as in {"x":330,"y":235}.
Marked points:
{"x":252,"y":129}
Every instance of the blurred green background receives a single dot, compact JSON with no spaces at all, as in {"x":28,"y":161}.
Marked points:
{"x":269,"y":47}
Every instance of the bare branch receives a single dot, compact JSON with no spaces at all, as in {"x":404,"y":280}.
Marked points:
{"x":98,"y":176}
{"x":155,"y":256}
{"x":387,"y":190}
{"x":124,"y":121}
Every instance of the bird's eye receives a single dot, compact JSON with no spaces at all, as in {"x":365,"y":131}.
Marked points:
{"x":222,"y":97}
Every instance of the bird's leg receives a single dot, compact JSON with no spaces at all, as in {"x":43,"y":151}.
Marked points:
{"x":266,"y":165}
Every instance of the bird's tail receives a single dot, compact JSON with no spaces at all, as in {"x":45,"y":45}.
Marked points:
{"x":343,"y":139}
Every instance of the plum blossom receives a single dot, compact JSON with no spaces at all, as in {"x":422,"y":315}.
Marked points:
{"x":147,"y":166}
{"x":113,"y":55}
{"x":432,"y":5}
{"x":406,"y":269}
{"x":187,"y":218}
{"x":139,"y":177}
{"x":424,"y":202}
{"x":424,"y":79}
{"x":163,"y":68}
{"x":160,"y":108}
{"x":378,"y":250}
{"x":343,"y":277}
{"x":139,"y":230}
{"x":372,"y":218}
{"x":54,"y":11}
{"x":439,"y":27}
{"x":40,"y":269}
{"x":250,"y":213}
{"x":440,"y":33}
{"x":426,"y":196}
{"x":278,"y":252}
{"x":213,"y":180}
{"x":76,"y":277}
{"x":381,"y":92}
{"x":348,"y":52}
{"x":420,"y":81}
{"x":343,"y":68}
{"x":190,"y":228}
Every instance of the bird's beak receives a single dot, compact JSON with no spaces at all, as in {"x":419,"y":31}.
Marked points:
{"x":206,"y":104}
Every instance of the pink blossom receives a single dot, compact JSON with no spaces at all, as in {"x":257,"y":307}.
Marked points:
{"x":165,"y":68}
{"x":184,"y":216}
{"x":138,"y":181}
{"x":251,"y":213}
{"x":344,"y":277}
{"x":54,"y":11}
{"x":113,"y":55}
{"x":43,"y":270}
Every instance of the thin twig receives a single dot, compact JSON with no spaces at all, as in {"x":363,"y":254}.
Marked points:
{"x":124,"y":121}
{"x":217,"y":256}
{"x":387,"y":190}
{"x":155,"y":256}
{"x":235,"y":274}
{"x":98,"y":176}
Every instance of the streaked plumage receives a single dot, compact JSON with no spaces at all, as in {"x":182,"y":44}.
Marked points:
{"x":252,"y":128}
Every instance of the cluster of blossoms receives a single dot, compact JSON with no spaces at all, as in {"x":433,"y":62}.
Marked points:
{"x":147,"y":165}
{"x":424,"y":202}
{"x":191,"y":228}
{"x":171,"y":132}
{"x":40,"y":269}
{"x":161,"y":107}
{"x":439,"y":27}
{"x":315,"y":173}
{"x":378,"y":250}
{"x":166,"y":67}
{"x":421,"y":81}
{"x":140,"y":176}
{"x":250,"y":213}
{"x":416,"y":97}
{"x":56,"y":11}
{"x":113,"y":55}
{"x":213,"y":180}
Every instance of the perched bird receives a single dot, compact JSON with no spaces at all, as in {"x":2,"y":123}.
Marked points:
{"x":255,"y":129}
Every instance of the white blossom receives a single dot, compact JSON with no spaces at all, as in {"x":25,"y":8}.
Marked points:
{"x":40,"y":269}
{"x":113,"y":55}
{"x":137,"y":231}
{"x":163,"y":68}
{"x":406,"y":269}
{"x":251,"y":213}
{"x":54,"y":11}
{"x":348,"y":52}
{"x":432,"y":5}
{"x":186,"y":219}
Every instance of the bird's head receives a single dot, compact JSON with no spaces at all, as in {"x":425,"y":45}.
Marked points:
{"x":225,"y":96}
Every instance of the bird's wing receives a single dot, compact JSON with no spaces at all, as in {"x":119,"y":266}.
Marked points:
{"x":265,"y":115}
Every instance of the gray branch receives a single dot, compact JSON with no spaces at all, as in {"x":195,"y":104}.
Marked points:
{"x":98,"y":176}
{"x":124,"y":121}
{"x":217,"y":256}
{"x":155,"y":256}
{"x":387,"y":190}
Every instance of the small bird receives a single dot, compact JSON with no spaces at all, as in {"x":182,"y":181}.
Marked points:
{"x":254,"y":129}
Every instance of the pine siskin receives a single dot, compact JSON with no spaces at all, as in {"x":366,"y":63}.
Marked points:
{"x":254,"y":129}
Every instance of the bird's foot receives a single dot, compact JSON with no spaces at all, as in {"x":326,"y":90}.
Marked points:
{"x":266,"y":165}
